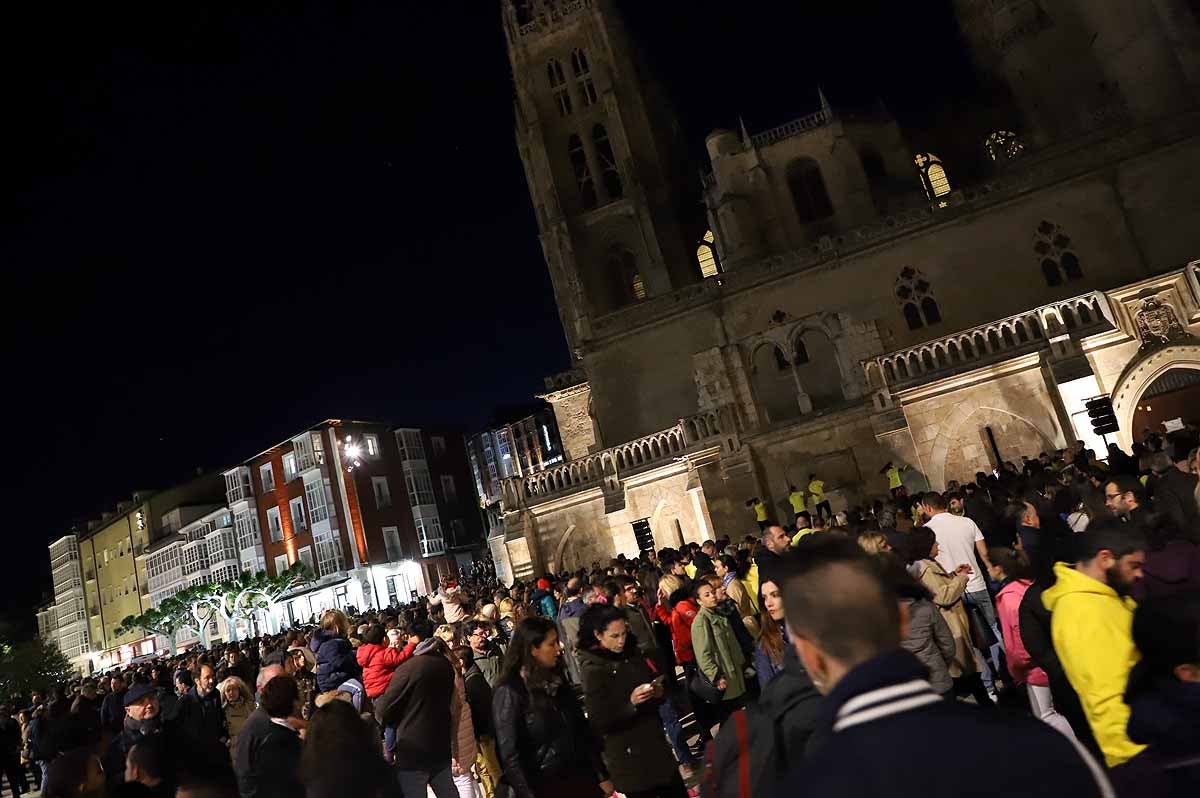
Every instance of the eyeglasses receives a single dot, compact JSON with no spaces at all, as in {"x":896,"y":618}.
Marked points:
{"x":1112,"y":495}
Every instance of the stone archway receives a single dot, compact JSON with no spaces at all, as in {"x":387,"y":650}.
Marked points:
{"x":1138,"y":376}
{"x":964,"y":448}
{"x":556,"y":565}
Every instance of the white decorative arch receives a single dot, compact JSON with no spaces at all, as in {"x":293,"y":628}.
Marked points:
{"x":1138,"y":376}
{"x":556,"y":564}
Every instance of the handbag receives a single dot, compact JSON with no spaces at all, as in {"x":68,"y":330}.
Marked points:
{"x":704,"y":689}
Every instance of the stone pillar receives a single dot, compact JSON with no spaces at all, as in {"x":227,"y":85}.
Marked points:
{"x":575,"y":425}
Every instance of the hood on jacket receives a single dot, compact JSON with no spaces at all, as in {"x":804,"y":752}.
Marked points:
{"x":538,"y":595}
{"x":1073,"y":583}
{"x":679,"y":596}
{"x":320,"y":637}
{"x":367,"y":652}
{"x":572,"y":608}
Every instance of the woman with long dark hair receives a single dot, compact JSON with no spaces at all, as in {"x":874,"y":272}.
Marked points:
{"x":622,"y":692}
{"x":342,"y":756}
{"x":773,"y":642}
{"x":546,"y":747}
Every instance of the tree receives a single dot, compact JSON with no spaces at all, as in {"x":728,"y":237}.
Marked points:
{"x":170,"y":617}
{"x":32,"y":665}
{"x":262,"y":592}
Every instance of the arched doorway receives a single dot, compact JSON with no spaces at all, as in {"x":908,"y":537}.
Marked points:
{"x":1138,"y":378}
{"x":817,"y":368}
{"x":774,"y":384}
{"x":1172,"y":400}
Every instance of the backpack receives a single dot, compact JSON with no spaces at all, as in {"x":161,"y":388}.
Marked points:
{"x":747,"y":748}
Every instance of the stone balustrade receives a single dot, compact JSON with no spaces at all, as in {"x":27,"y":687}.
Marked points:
{"x":994,"y":340}
{"x":789,"y":129}
{"x":614,"y":463}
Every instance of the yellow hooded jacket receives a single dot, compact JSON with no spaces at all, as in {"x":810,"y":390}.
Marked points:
{"x":1092,"y":628}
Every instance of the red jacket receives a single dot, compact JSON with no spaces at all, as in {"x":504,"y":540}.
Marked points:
{"x":378,"y":663}
{"x":679,"y":619}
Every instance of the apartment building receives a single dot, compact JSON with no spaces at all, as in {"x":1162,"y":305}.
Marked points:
{"x":516,"y":448}
{"x":66,"y":619}
{"x":376,"y":511}
{"x":113,"y":554}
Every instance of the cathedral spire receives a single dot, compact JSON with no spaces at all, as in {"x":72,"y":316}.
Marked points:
{"x":824,"y":102}
{"x":747,"y":142}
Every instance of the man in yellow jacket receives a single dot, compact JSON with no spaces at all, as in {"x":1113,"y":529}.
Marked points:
{"x":1091,"y":623}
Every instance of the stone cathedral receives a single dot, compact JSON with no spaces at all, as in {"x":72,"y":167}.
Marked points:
{"x":824,"y":299}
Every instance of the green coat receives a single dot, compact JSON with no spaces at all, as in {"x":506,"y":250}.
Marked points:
{"x":717,"y":651}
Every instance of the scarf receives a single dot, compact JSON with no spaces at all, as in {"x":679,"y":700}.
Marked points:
{"x":144,"y":727}
{"x":727,"y":578}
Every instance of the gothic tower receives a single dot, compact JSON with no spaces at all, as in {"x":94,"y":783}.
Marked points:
{"x":604,"y":159}
{"x":1075,"y":65}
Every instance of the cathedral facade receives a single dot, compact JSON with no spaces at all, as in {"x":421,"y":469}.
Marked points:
{"x":823,"y":299}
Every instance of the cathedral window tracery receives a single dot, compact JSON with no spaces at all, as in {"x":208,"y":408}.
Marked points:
{"x":1059,"y":263}
{"x":915,"y":295}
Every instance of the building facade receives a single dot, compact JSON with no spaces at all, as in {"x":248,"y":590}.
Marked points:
{"x":66,"y":623}
{"x":526,"y":446}
{"x":113,"y":554}
{"x":378,"y":513}
{"x":807,"y":321}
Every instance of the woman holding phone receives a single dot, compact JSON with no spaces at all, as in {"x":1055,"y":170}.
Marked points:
{"x":622,"y":691}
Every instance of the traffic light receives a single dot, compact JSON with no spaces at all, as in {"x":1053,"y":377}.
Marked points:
{"x":1100,"y":411}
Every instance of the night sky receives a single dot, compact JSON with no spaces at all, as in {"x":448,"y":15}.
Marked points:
{"x":223,"y":222}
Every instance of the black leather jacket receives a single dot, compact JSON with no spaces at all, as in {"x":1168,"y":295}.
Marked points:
{"x":542,"y":737}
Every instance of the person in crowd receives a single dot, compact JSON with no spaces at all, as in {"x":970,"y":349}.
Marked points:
{"x":542,"y":599}
{"x":268,"y":760}
{"x":445,"y":633}
{"x":464,"y":749}
{"x":78,"y":773}
{"x":845,"y":625}
{"x":341,"y":756}
{"x":546,"y":747}
{"x":10,"y":751}
{"x":143,"y":719}
{"x":1172,"y":561}
{"x":1125,"y":497}
{"x":947,"y":591}
{"x":200,"y":716}
{"x":336,"y":661}
{"x":705,"y":557}
{"x":486,"y":654}
{"x":1164,"y":690}
{"x":237,"y":665}
{"x":28,"y":765}
{"x":237,"y":702}
{"x":417,"y":702}
{"x":772,"y":642}
{"x":728,"y":608}
{"x":959,"y":540}
{"x":928,"y":636}
{"x":379,"y":661}
{"x":797,"y":500}
{"x":112,"y":708}
{"x":300,"y":663}
{"x":574,"y":604}
{"x":759,"y":508}
{"x":804,"y":527}
{"x":450,"y":598}
{"x":730,"y":572}
{"x":719,"y":657}
{"x":1013,"y":572}
{"x":1173,"y":487}
{"x":816,"y":496}
{"x":86,"y":711}
{"x":621,"y":693}
{"x":874,"y":542}
{"x":149,"y":763}
{"x":768,"y":556}
{"x":479,"y":699}
{"x":1091,"y":625}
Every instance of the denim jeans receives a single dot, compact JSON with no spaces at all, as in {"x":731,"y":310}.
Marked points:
{"x":413,"y":783}
{"x":982,"y":600}
{"x":670,"y":721}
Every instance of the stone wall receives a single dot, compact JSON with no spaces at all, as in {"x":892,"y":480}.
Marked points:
{"x":575,"y":426}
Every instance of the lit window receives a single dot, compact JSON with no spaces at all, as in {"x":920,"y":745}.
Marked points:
{"x":933,"y":175}
{"x":707,"y":257}
{"x":371,"y":444}
{"x":289,"y":466}
{"x":583,"y":173}
{"x":639,"y":288}
{"x":1003,"y":145}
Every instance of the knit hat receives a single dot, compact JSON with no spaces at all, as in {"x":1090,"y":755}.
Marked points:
{"x":543,"y":584}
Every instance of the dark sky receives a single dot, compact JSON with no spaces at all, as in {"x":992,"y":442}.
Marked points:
{"x":222,"y":222}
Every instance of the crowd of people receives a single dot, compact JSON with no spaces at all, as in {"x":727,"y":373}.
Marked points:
{"x":1034,"y":631}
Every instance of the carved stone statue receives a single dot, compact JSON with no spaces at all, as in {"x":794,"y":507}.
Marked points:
{"x":1157,"y":325}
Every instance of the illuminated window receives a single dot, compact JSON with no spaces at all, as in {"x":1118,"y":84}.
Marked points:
{"x":558,"y":85}
{"x":608,"y":163}
{"x":706,"y":255}
{"x":933,"y":175}
{"x":1057,"y":259}
{"x":915,"y":295}
{"x":1003,"y":145}
{"x":583,"y":77}
{"x":583,"y":174}
{"x":639,"y":287}
{"x":808,"y":190}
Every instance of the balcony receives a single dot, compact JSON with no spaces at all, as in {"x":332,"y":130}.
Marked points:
{"x":990,"y":343}
{"x":702,"y":430}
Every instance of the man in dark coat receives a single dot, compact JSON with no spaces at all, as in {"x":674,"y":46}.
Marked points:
{"x":112,"y":709}
{"x":770,"y":553}
{"x":417,"y":703}
{"x":844,"y":623}
{"x":267,"y":760}
{"x":143,"y":719}
{"x":199,"y":715}
{"x":10,"y":752}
